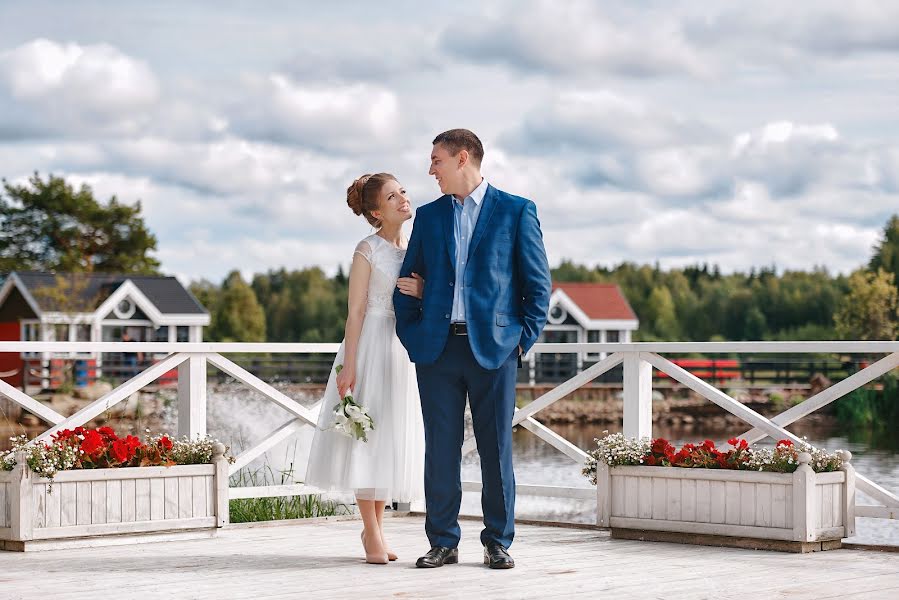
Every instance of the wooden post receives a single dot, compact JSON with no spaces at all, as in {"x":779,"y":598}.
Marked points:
{"x":222,"y":516}
{"x":804,"y":500}
{"x":21,"y":505}
{"x":637,"y":396}
{"x":192,"y":396}
{"x":848,"y":495}
{"x":603,"y":495}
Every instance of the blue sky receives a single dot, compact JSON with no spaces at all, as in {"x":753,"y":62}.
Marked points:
{"x":678,"y":132}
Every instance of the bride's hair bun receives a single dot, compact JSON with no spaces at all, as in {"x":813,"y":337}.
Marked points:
{"x":354,"y":194}
{"x":362,"y":195}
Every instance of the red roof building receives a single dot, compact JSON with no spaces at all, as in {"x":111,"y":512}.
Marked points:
{"x":589,"y":312}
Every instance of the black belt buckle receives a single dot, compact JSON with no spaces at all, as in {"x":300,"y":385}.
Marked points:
{"x":458,"y":329}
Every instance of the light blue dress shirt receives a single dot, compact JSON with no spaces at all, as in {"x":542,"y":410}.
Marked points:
{"x":465,"y":217}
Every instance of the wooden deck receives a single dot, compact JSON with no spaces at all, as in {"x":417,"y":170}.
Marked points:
{"x":322,"y":560}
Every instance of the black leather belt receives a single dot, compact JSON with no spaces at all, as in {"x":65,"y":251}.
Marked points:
{"x":458,"y":329}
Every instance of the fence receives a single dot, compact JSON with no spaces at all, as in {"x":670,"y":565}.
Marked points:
{"x":638,"y":360}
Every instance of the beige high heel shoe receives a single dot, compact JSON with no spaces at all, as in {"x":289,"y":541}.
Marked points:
{"x":373,"y":558}
{"x":390,"y":555}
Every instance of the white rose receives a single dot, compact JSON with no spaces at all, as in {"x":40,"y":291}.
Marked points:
{"x":354,"y":413}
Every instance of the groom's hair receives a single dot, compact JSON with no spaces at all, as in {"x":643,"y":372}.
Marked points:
{"x":455,"y":140}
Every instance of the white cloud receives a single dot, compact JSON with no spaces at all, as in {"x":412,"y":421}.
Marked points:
{"x":341,"y":118}
{"x":64,"y":87}
{"x":574,"y":38}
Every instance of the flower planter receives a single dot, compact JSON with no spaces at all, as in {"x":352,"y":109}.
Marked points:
{"x":800,"y":511}
{"x":110,"y":506}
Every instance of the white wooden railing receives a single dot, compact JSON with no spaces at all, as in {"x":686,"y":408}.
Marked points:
{"x":638,"y":359}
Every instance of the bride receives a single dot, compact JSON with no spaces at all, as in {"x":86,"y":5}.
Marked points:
{"x":377,"y":372}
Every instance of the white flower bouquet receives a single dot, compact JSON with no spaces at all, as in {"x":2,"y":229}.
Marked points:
{"x":350,"y":418}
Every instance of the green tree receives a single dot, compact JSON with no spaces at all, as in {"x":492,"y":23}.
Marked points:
{"x":238,"y":317}
{"x":50,"y":226}
{"x":886,"y":253}
{"x":870,"y":311}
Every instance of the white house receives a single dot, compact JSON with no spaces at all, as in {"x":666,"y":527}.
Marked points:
{"x":92,"y":307}
{"x":583,"y":312}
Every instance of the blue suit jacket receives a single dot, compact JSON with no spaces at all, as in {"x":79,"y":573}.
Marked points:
{"x":507,"y":280}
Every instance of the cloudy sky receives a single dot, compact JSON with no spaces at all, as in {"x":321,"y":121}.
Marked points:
{"x":741,"y":134}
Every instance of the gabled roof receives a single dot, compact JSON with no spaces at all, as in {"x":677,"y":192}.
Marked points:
{"x":166,"y":293}
{"x":598,"y":301}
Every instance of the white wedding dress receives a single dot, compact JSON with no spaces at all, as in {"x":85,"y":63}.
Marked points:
{"x":390,"y":465}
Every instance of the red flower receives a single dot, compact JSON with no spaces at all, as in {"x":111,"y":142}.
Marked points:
{"x":93,"y":444}
{"x":650,"y":460}
{"x":788,"y":443}
{"x":79,"y":430}
{"x":108,"y":433}
{"x":63,"y":435}
{"x":165,"y":443}
{"x":708,"y":445}
{"x":120,"y":451}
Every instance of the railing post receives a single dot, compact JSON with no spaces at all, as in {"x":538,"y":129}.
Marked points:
{"x":805,"y":504}
{"x":222,"y":514}
{"x":603,"y":494}
{"x":21,"y":509}
{"x":848,"y":494}
{"x":192,"y":396}
{"x":637,"y":396}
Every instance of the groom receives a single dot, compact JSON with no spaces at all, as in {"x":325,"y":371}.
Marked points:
{"x":487,"y":287}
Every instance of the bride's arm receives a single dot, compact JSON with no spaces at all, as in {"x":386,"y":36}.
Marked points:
{"x":360,"y":273}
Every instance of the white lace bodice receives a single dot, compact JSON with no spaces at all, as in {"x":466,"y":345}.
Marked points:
{"x":386,"y":261}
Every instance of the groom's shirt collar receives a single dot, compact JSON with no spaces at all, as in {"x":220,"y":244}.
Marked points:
{"x":477,"y":194}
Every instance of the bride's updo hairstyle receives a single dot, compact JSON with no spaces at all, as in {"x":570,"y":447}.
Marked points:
{"x":362,"y":195}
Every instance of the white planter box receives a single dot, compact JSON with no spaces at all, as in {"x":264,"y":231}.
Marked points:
{"x":803,"y":506}
{"x":110,"y":503}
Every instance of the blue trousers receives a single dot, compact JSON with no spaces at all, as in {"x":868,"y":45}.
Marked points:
{"x":443,"y":387}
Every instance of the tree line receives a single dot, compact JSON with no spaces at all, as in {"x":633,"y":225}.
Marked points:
{"x":695,"y":303}
{"x":49,"y":225}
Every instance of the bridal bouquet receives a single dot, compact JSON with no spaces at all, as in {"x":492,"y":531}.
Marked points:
{"x":350,"y":418}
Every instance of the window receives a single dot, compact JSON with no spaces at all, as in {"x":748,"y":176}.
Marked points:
{"x":593,"y":337}
{"x":183,"y":333}
{"x":82,"y":333}
{"x":613,"y":337}
{"x":124,"y":309}
{"x":160,"y":334}
{"x":61,"y":332}
{"x":32,"y":332}
{"x":557,"y":314}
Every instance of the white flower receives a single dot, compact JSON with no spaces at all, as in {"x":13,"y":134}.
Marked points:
{"x":353,"y":412}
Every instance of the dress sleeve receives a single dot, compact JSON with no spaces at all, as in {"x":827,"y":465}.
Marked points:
{"x":363,"y":249}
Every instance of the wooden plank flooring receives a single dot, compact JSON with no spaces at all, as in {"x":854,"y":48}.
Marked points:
{"x":323,"y":560}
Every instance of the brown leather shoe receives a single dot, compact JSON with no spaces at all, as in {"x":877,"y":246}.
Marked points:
{"x":437,"y":557}
{"x":497,"y":557}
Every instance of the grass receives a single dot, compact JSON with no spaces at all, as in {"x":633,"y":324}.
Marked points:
{"x":251,"y":510}
{"x":875,"y":407}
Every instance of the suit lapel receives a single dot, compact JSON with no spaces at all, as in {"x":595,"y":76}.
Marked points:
{"x":448,"y":226}
{"x":489,"y":203}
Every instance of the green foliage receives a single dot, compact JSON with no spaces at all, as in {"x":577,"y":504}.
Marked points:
{"x":873,"y":407}
{"x":698,"y":303}
{"x":870,"y":311}
{"x":250,"y":510}
{"x":49,"y":226}
{"x":237,"y":317}
{"x":886,"y":253}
